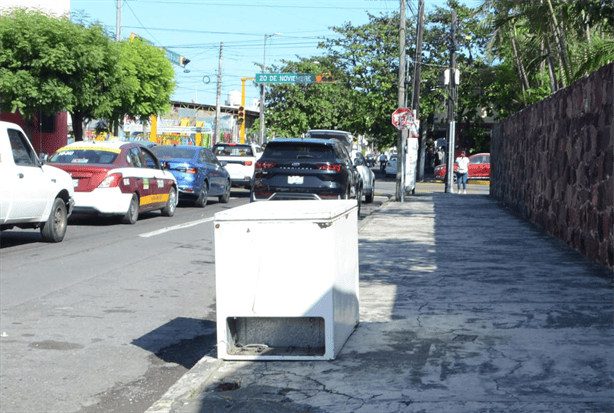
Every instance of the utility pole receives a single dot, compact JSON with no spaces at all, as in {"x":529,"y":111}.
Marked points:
{"x":400,"y":192}
{"x":118,"y":22}
{"x":262,"y":90}
{"x":216,"y":129}
{"x":416,"y":92}
{"x":451,"y":109}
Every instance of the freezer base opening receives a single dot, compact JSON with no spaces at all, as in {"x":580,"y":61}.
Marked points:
{"x":276,"y":336}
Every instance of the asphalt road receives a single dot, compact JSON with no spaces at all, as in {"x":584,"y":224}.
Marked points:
{"x":110,"y":318}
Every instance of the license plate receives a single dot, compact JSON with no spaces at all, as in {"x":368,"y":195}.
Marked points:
{"x":75,"y":183}
{"x":295,"y":179}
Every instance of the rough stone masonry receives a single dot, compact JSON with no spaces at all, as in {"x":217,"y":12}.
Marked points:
{"x":553,"y":163}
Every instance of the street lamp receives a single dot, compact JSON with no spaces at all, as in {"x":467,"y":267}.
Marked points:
{"x":266,"y":36}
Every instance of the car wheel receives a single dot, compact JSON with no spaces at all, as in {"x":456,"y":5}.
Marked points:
{"x":171,"y":203}
{"x":226,"y":197}
{"x":201,"y":201}
{"x":55,"y":228}
{"x":133,"y":211}
{"x":371,"y":195}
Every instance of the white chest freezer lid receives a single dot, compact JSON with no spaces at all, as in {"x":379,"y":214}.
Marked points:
{"x":287,"y":210}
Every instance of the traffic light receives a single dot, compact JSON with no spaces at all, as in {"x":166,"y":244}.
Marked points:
{"x":241,"y":115}
{"x":184,"y":61}
{"x":324,"y":78}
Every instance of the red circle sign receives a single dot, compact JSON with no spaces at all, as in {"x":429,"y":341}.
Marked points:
{"x":401,"y":117}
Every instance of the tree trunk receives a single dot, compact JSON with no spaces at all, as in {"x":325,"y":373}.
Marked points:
{"x":77,"y":125}
{"x":554,"y":86}
{"x":560,"y":46}
{"x":524,"y":81}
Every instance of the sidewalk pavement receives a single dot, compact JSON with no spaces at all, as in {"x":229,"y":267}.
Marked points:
{"x":464,"y":307}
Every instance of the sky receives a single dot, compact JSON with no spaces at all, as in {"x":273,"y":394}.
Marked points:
{"x":196,"y":28}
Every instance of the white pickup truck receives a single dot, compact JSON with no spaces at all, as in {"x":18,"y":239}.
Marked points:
{"x":32,"y":194}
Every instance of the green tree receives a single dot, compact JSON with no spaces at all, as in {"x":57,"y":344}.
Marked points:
{"x":550,"y":40}
{"x":33,"y":59}
{"x":300,"y":107}
{"x":147,"y":82}
{"x":368,"y":58}
{"x":363,"y":62}
{"x":49,"y":64}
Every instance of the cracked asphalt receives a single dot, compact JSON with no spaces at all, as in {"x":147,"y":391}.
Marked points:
{"x":464,"y":307}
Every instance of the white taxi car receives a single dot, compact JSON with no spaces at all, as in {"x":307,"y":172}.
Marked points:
{"x":117,"y":178}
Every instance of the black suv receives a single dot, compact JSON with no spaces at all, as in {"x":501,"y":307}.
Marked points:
{"x":306,"y":169}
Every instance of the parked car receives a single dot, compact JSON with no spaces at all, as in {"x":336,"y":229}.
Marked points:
{"x":366,"y":174}
{"x":240,"y":160}
{"x":391,"y":166}
{"x":306,"y":169}
{"x":115,"y":178}
{"x":198,"y":172}
{"x":32,"y":194}
{"x":479,"y":167}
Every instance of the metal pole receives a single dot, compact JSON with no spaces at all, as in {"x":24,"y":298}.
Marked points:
{"x":262,"y":95}
{"x":216,"y":129}
{"x":118,"y":22}
{"x":416,"y":91}
{"x":451,"y":104}
{"x":400,"y":193}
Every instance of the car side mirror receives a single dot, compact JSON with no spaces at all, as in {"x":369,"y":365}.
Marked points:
{"x":223,"y":163}
{"x":43,"y":156}
{"x":165,"y":165}
{"x":358,"y":162}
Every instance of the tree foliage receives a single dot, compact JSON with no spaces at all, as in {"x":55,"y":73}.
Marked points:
{"x":363,"y":62}
{"x":510,"y":54}
{"x":35,"y":61}
{"x":50,"y":64}
{"x":147,"y":81}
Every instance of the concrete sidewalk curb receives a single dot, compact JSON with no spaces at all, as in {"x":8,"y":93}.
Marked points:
{"x":192,"y":382}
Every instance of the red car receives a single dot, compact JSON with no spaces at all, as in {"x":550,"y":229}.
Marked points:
{"x":479,"y":167}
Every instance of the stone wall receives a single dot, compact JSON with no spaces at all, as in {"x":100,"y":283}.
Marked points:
{"x":553,"y":163}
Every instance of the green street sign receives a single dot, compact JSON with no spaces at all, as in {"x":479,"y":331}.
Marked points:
{"x":172,"y":56}
{"x":285,"y":77}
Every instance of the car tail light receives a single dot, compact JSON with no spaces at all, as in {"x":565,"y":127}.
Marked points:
{"x":326,"y":167}
{"x":247,"y":163}
{"x":189,"y":170}
{"x":110,"y":181}
{"x":265,"y":165}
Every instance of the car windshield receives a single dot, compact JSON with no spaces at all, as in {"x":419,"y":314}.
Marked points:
{"x":299,"y":151}
{"x":170,"y":152}
{"x":233,"y":150}
{"x":85,"y":156}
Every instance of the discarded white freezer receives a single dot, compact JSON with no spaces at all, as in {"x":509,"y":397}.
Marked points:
{"x":286,"y":279}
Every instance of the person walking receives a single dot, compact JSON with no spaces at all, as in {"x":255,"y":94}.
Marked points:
{"x":462,"y":172}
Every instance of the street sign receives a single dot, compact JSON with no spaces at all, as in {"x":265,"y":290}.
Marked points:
{"x":401,"y":118}
{"x":285,"y":77}
{"x":172,"y":56}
